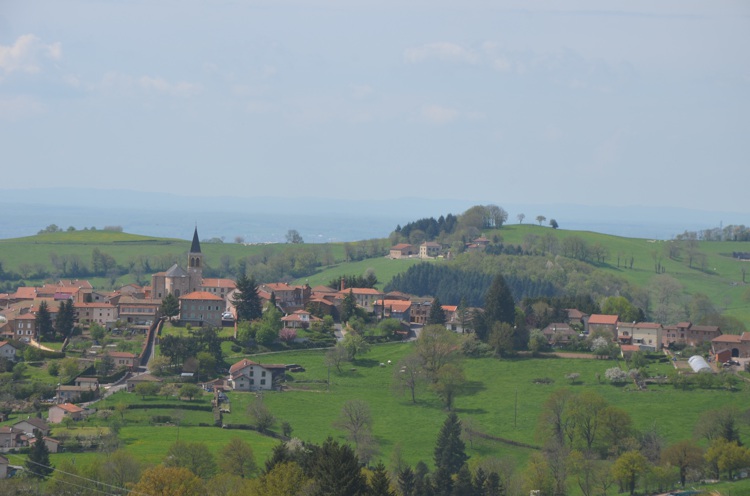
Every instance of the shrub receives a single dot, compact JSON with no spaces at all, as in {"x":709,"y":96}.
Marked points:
{"x":616,"y":375}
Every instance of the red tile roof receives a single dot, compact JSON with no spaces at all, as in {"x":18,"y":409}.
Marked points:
{"x":69,"y":407}
{"x":603,"y":319}
{"x":201,"y":295}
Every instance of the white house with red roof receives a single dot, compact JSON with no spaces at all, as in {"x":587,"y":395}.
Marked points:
{"x":365,"y":297}
{"x":100,"y":312}
{"x":7,"y":351}
{"x":247,"y":375}
{"x":301,"y":319}
{"x":646,"y":335}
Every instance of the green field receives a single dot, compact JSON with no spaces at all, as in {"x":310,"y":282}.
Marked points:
{"x":501,"y":398}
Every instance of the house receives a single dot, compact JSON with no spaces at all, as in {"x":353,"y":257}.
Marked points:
{"x":603,"y":323}
{"x":11,"y":437}
{"x":53,"y":445}
{"x":247,"y":375}
{"x":58,"y":413}
{"x":92,"y":383}
{"x":429,"y":249}
{"x":137,"y":379}
{"x":689,"y":334}
{"x":559,"y":334}
{"x":301,"y":319}
{"x":288,"y":297}
{"x":137,"y":311}
{"x":738,"y":345}
{"x":25,"y":328}
{"x":576,"y":317}
{"x":365,"y":297}
{"x":420,"y":310}
{"x":202,"y":308}
{"x":31,"y":424}
{"x":7,"y":351}
{"x":100,"y":313}
{"x":124,"y":359}
{"x":401,"y":250}
{"x":74,"y":393}
{"x":646,"y":335}
{"x":393,"y":309}
{"x":218,"y":286}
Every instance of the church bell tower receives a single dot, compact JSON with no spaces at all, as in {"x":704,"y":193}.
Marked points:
{"x":195,"y":263}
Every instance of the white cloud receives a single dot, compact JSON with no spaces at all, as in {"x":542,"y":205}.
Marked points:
{"x":28,"y":54}
{"x":437,"y":114}
{"x":450,"y":52}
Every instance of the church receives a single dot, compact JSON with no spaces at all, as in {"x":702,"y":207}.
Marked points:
{"x":178,"y":281}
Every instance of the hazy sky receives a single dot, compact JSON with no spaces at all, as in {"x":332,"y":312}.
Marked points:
{"x":616,"y":102}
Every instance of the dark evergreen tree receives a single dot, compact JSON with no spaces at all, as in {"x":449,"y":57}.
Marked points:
{"x":498,"y":302}
{"x":464,"y":486}
{"x":480,"y":479}
{"x":37,"y":463}
{"x":493,"y":486}
{"x":44,"y":323}
{"x":170,"y":306}
{"x":450,"y":450}
{"x":348,"y":307}
{"x":380,"y":483}
{"x":246,"y":300}
{"x":422,"y":482}
{"x":65,"y":320}
{"x":407,"y":481}
{"x":272,"y":300}
{"x":337,"y":472}
{"x":437,"y":314}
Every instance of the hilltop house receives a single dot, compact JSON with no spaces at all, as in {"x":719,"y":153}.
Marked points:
{"x":58,"y":413}
{"x":646,"y":335}
{"x":603,"y":323}
{"x":401,"y":250}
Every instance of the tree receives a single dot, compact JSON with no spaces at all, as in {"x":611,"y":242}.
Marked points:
{"x":719,"y":423}
{"x":553,"y":224}
{"x":380,"y":483}
{"x":106,"y":365}
{"x":406,"y":481}
{"x":37,"y":463}
{"x":336,"y":356}
{"x":119,"y":469}
{"x":65,"y":318}
{"x":237,"y":458}
{"x":348,"y":307}
{"x":356,"y":419}
{"x":448,"y":382}
{"x":408,"y":376}
{"x":620,"y":306}
{"x":585,"y":412}
{"x":355,"y":344}
{"x":520,"y":218}
{"x":437,"y":314}
{"x":450,"y":450}
{"x":498,"y":303}
{"x":540,"y":219}
{"x":43,"y":322}
{"x":190,"y":391}
{"x":685,"y":455}
{"x":193,"y":456}
{"x":170,"y":306}
{"x":629,"y":468}
{"x":282,"y":479}
{"x":169,"y":481}
{"x":260,"y":414}
{"x":292,"y":236}
{"x":436,"y":347}
{"x":246,"y":300}
{"x":555,"y":421}
{"x":501,"y":338}
{"x":147,"y":388}
{"x":336,"y":470}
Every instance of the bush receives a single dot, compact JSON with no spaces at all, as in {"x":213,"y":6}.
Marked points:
{"x":616,"y":375}
{"x":161,"y":419}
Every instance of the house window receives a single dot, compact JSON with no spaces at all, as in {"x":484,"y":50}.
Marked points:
{"x":262,"y":382}
{"x":263,"y":374}
{"x":252,"y":382}
{"x":252,"y":373}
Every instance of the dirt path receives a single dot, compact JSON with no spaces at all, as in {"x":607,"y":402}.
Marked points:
{"x":39,"y":345}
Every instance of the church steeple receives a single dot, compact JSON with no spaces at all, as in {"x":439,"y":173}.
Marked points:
{"x":195,"y":263}
{"x":196,"y":246}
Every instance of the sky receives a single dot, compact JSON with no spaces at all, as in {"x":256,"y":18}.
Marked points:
{"x":585,"y":102}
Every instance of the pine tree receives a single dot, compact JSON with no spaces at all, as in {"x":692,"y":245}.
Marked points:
{"x":348,"y":307}
{"x":407,"y":481}
{"x":246,"y":299}
{"x":498,"y":302}
{"x":37,"y":463}
{"x":463,"y":485}
{"x":170,"y":306}
{"x":44,"y":322}
{"x":450,"y":450}
{"x":380,"y":483}
{"x":337,"y":471}
{"x":437,"y":314}
{"x":65,"y":320}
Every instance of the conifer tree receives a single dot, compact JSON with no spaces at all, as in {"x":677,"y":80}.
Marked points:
{"x":380,"y":483}
{"x":437,"y":314}
{"x":337,"y":472}
{"x":170,"y":306}
{"x":246,"y":299}
{"x":44,"y":322}
{"x":463,"y":485}
{"x":348,"y":307}
{"x":450,"y":450}
{"x":498,"y":302}
{"x":406,"y":481}
{"x":37,"y":463}
{"x":65,"y":320}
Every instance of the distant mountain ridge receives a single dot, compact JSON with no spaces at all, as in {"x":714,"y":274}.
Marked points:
{"x":267,"y":219}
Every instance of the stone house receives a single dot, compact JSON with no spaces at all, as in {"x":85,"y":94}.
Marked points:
{"x":247,"y":375}
{"x":58,"y":413}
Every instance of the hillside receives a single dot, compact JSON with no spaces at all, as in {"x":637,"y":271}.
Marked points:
{"x":714,"y":272}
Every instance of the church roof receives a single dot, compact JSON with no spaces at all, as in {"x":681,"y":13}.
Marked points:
{"x":176,"y":271}
{"x":196,"y":246}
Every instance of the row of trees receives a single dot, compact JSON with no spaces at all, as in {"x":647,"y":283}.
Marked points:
{"x":64,"y":321}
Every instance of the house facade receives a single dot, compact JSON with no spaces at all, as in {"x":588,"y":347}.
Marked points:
{"x":202,"y":308}
{"x":647,"y":335}
{"x":7,"y":351}
{"x":102,"y":313}
{"x":603,"y":323}
{"x":738,"y":345}
{"x":247,"y":375}
{"x":58,"y":413}
{"x":429,"y":249}
{"x":401,"y":250}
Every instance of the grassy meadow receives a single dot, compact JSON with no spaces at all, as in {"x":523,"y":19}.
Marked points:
{"x":501,"y":399}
